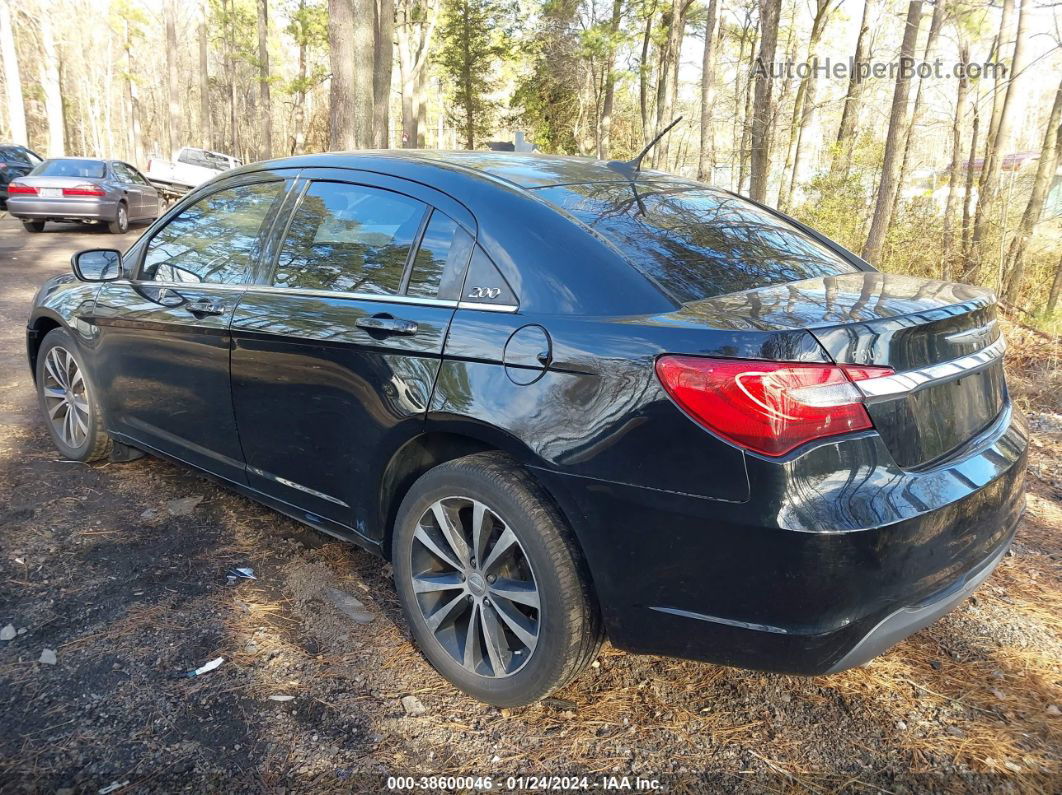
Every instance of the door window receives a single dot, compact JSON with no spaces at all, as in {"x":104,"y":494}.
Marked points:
{"x":122,"y":172}
{"x":349,"y":238}
{"x":215,"y":240}
{"x":429,"y":264}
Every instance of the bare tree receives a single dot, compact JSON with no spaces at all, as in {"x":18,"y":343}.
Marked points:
{"x":51,"y":85}
{"x":383,"y":57}
{"x":415,"y":27}
{"x":16,"y":110}
{"x":761,"y":106}
{"x":342,"y":110}
{"x":605,"y":139}
{"x":1050,"y":159}
{"x":898,"y":127}
{"x":206,"y":125}
{"x":706,"y":155}
{"x":265,"y":107}
{"x":955,"y":166}
{"x":667,"y":78}
{"x":173,"y":103}
{"x":842,"y":157}
{"x":998,"y":136}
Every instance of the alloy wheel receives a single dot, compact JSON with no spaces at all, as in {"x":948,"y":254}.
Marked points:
{"x":66,"y":397}
{"x":475,"y":587}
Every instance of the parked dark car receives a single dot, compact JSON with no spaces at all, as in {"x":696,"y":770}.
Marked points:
{"x":15,"y":161}
{"x":81,"y":189}
{"x":566,"y":399}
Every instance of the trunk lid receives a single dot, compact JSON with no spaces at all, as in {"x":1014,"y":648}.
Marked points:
{"x":941,"y":338}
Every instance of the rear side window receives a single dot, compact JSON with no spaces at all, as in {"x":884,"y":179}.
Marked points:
{"x":13,"y":154}
{"x":349,"y":238}
{"x":215,"y":240}
{"x":86,"y":169}
{"x":429,"y":263}
{"x":697,"y":243}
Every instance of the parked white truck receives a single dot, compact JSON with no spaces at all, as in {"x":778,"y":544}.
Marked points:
{"x":189,"y":168}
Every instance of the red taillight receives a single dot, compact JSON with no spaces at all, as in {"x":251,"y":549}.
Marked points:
{"x":16,"y":188}
{"x":768,"y":407}
{"x":84,"y":190}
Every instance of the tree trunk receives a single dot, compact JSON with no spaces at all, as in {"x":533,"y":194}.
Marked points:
{"x":916,"y":113}
{"x":610,"y":81}
{"x":988,"y":187}
{"x":761,"y":106}
{"x":1056,"y":289}
{"x":842,"y":156}
{"x":414,"y":47}
{"x":668,"y":78}
{"x":898,"y":122}
{"x":206,"y":125}
{"x":230,"y":74}
{"x":50,"y":85}
{"x":421,"y":103}
{"x":363,"y":77}
{"x":173,"y":102}
{"x":383,"y":56}
{"x":967,"y":195}
{"x":1045,"y":172}
{"x":745,"y":149}
{"x":803,"y":107}
{"x":705,"y":160}
{"x":265,"y":107}
{"x":470,"y":120}
{"x":955,"y":167}
{"x":643,"y":75}
{"x":16,"y":109}
{"x":298,"y":145}
{"x":341,"y":124}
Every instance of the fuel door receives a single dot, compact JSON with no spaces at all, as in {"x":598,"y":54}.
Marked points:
{"x":528,"y":354}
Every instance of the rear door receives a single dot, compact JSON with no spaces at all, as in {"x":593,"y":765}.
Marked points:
{"x":163,"y":348}
{"x":133,"y":191}
{"x":337,"y":350}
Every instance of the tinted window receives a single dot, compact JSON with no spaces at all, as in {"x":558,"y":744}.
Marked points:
{"x":430,"y":261}
{"x":89,"y":169}
{"x":200,"y":157}
{"x":698,"y":243}
{"x":214,"y":240}
{"x":349,"y":238}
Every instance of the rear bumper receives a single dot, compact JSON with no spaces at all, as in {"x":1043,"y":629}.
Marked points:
{"x":837,"y":555}
{"x":37,"y":209}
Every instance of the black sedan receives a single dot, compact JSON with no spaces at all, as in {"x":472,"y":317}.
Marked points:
{"x":15,"y":161}
{"x":567,"y":399}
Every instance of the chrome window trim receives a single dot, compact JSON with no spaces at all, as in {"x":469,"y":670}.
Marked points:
{"x":272,"y":290}
{"x":891,"y":386}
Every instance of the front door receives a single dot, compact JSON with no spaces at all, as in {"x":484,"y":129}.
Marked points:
{"x":164,"y":336}
{"x":336,"y":354}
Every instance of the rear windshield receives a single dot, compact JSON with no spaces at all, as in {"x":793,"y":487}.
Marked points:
{"x":697,"y":243}
{"x":200,"y":157}
{"x":90,"y":169}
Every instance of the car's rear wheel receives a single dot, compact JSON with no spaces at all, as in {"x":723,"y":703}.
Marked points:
{"x":120,"y":224}
{"x":68,"y":400}
{"x":491,"y":581}
{"x":33,"y":226}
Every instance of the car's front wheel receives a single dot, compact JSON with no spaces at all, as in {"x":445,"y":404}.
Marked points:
{"x":68,"y":399}
{"x":491,"y":581}
{"x":120,"y":224}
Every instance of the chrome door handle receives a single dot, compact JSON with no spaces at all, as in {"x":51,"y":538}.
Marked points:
{"x":387,"y":325}
{"x":204,"y":306}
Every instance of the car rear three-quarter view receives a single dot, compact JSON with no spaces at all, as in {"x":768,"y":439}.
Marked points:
{"x":568,"y":400}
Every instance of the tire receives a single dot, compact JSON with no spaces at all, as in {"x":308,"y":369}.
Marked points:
{"x":564,"y":629}
{"x":81,"y":437}
{"x":120,"y":224}
{"x":33,"y":226}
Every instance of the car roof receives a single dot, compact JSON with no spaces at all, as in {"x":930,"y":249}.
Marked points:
{"x":523,"y":170}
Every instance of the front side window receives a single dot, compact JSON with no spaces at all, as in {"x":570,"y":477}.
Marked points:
{"x":349,"y":238}
{"x":213,"y":241}
{"x":697,"y":243}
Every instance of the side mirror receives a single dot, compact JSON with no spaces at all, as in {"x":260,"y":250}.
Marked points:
{"x":97,"y":265}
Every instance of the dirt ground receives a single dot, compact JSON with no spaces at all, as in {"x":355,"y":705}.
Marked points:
{"x":128,"y":588}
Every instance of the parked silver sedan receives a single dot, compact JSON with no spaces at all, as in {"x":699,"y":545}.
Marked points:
{"x":79,"y":189}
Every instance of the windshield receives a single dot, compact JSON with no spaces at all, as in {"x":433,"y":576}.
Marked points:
{"x":89,"y":169}
{"x":697,"y":242}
